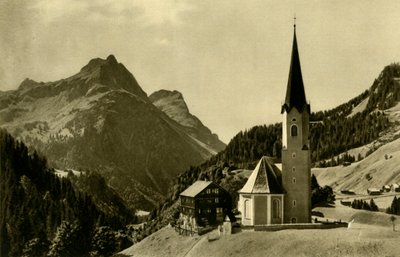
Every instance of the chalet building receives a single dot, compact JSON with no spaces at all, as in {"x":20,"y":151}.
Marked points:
{"x":204,"y":203}
{"x":290,"y":202}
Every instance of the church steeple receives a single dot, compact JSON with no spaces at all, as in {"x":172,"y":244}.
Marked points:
{"x":295,"y":95}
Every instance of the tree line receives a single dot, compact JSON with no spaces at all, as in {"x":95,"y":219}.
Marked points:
{"x":364,"y":205}
{"x":394,"y":208}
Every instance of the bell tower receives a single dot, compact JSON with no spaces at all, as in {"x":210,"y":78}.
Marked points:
{"x":296,"y":163}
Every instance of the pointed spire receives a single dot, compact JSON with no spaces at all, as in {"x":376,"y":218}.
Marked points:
{"x":295,"y":95}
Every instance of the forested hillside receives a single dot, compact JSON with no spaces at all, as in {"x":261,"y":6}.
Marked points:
{"x":42,"y":214}
{"x":104,"y":197}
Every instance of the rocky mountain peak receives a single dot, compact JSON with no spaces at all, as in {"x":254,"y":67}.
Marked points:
{"x":112,"y":60}
{"x":174,"y":106}
{"x":28,"y":83}
{"x":110,"y":72}
{"x":164,"y":94}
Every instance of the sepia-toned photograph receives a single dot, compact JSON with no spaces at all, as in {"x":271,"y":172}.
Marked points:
{"x":186,"y":128}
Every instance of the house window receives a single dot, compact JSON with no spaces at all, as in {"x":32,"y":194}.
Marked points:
{"x":293,"y":131}
{"x":199,"y":211}
{"x":247,"y":210}
{"x":208,"y":191}
{"x":294,"y":169}
{"x":294,"y":180}
{"x":294,"y":203}
{"x":216,"y":200}
{"x":219,"y":210}
{"x":217,"y":191}
{"x":276,"y":212}
{"x":208,"y":210}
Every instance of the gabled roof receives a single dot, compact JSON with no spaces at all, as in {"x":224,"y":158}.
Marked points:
{"x":266,"y":178}
{"x":196,"y":188}
{"x":295,"y":94}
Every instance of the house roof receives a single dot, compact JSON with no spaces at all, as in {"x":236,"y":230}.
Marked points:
{"x":295,"y":94}
{"x":196,"y":188}
{"x":266,"y":178}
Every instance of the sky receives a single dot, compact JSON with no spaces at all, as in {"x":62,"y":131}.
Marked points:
{"x":229,"y":58}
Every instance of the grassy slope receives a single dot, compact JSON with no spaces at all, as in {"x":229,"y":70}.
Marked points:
{"x":353,"y":177}
{"x":165,"y":242}
{"x":370,"y":235}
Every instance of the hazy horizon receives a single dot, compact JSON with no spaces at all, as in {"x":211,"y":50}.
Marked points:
{"x":229,"y":60}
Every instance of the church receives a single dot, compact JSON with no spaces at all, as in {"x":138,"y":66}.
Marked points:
{"x":274,"y":196}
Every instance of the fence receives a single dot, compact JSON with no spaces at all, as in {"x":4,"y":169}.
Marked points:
{"x":192,"y":231}
{"x":185,"y":231}
{"x":325,"y":225}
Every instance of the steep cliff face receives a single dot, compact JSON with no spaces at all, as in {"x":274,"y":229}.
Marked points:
{"x":100,"y":119}
{"x":173,"y":104}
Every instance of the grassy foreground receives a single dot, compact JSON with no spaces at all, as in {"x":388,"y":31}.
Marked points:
{"x":370,"y":234}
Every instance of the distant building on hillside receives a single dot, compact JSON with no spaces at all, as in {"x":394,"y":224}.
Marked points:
{"x":204,"y":203}
{"x":386,"y":188}
{"x":347,"y":192}
{"x":395,"y":187}
{"x":373,"y":191}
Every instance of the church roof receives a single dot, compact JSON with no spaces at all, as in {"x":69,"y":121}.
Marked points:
{"x":196,"y":188}
{"x":266,"y":178}
{"x":295,"y":94}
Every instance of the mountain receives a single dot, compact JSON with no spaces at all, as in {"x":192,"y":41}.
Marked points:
{"x":173,"y":105}
{"x":101,"y":120}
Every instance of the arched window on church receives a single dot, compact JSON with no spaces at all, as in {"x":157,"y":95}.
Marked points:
{"x":276,"y":209}
{"x":247,"y":210}
{"x":293,"y":131}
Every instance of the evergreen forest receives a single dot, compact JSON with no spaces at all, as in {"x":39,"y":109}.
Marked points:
{"x":43,"y":215}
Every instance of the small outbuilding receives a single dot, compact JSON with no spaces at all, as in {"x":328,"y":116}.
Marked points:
{"x":395,"y":187}
{"x":347,"y":192}
{"x":373,"y":191}
{"x":204,"y":204}
{"x":386,"y":188}
{"x":261,"y":198}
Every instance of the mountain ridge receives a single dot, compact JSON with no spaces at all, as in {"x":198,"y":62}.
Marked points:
{"x":100,"y":119}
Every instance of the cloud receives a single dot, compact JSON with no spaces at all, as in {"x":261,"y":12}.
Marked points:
{"x":161,"y":11}
{"x":151,"y":12}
